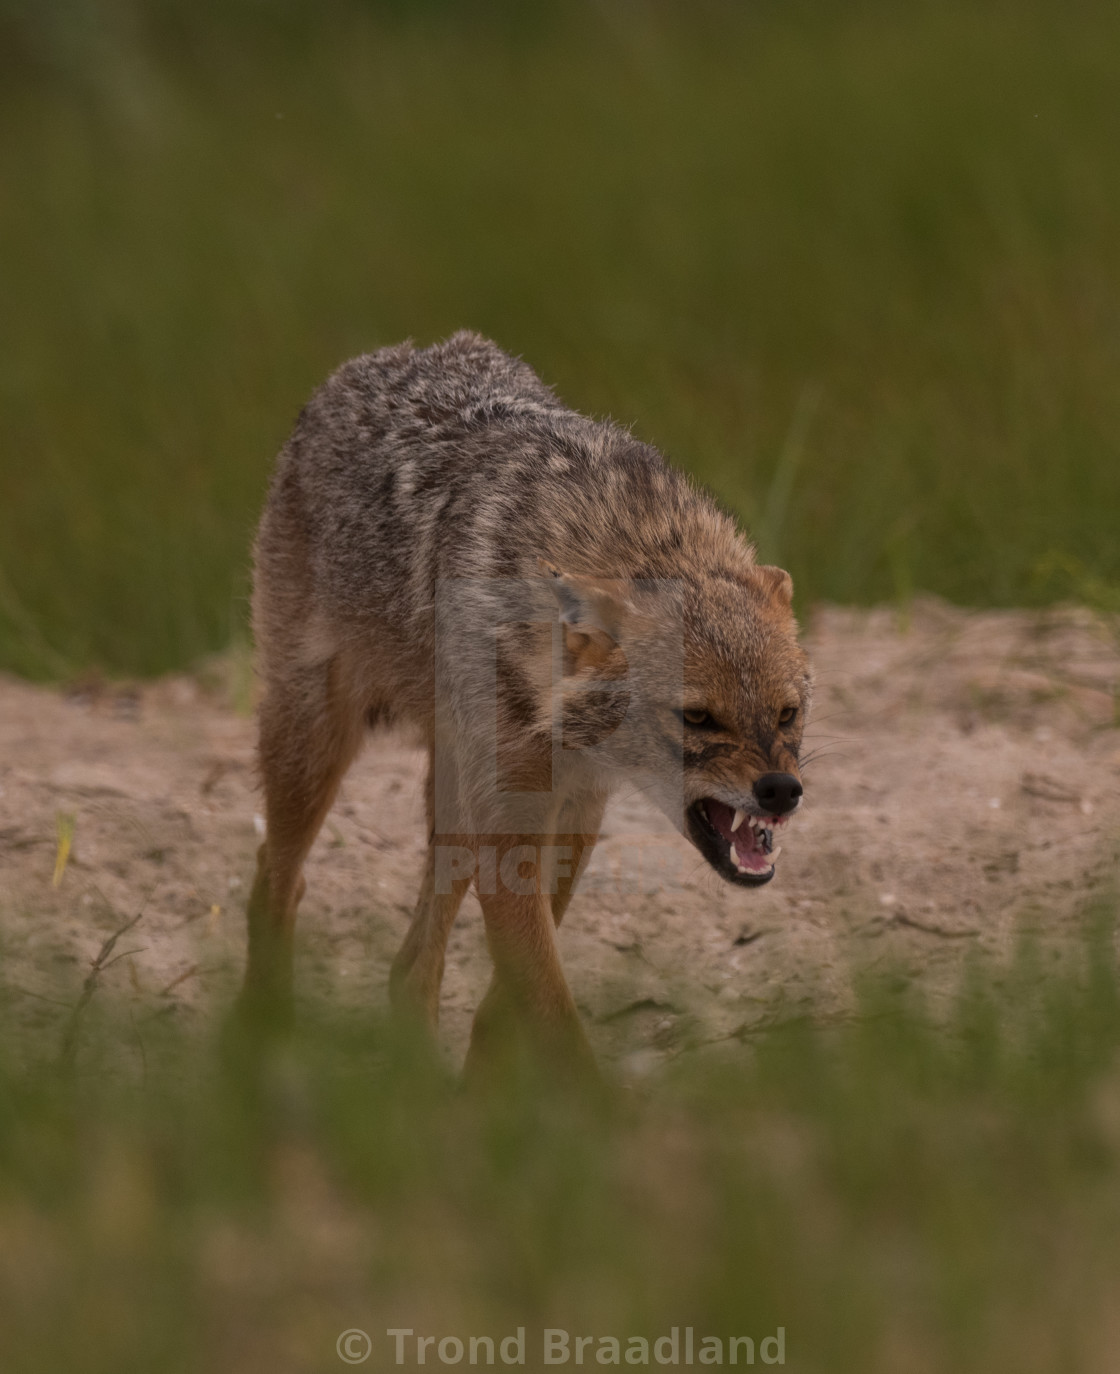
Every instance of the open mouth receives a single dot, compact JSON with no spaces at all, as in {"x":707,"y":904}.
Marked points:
{"x":738,"y":846}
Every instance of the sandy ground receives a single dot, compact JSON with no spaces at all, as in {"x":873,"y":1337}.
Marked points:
{"x":968,"y":782}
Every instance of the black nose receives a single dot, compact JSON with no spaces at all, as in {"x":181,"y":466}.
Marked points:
{"x":778,"y":792}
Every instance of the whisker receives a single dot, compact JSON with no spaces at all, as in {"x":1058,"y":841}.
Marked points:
{"x":816,"y":758}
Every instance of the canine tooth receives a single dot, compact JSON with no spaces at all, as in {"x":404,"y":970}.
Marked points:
{"x":737,"y":820}
{"x":773,"y":855}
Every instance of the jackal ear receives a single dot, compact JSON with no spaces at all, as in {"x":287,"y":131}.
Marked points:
{"x":776,"y":582}
{"x":588,"y":605}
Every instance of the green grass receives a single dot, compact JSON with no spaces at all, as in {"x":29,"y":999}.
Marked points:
{"x":856,"y":265}
{"x":898,"y":1193}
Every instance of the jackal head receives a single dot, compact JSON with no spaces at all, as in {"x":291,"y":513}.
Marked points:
{"x":697,"y":691}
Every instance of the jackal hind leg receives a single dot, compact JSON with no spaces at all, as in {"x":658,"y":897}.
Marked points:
{"x":311,"y":728}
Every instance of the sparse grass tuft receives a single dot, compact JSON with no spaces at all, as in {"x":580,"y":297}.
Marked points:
{"x":897,"y":1192}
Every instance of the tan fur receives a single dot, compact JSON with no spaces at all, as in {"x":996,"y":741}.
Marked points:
{"x":446,"y":544}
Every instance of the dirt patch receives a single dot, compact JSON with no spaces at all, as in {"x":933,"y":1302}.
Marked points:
{"x":966,"y":779}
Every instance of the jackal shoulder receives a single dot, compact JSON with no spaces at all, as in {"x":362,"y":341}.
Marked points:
{"x":457,"y":460}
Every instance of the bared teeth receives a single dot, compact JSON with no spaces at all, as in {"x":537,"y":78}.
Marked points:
{"x":746,"y":868}
{"x":737,"y":820}
{"x":773,"y":855}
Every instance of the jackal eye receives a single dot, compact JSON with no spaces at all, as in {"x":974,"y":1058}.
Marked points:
{"x":697,"y":718}
{"x":787,"y":716}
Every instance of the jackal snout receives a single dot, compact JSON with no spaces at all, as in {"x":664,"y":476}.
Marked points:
{"x":778,"y":793}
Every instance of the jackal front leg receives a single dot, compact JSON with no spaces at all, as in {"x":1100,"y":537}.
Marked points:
{"x":417,"y":972}
{"x":529,"y":995}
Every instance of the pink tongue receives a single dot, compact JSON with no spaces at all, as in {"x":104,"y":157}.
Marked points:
{"x":744,"y":839}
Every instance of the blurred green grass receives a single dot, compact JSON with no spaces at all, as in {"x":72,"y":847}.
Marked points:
{"x":855,"y":264}
{"x":899,"y":1192}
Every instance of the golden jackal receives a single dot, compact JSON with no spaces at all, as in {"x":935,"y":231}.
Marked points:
{"x":557,"y":609}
